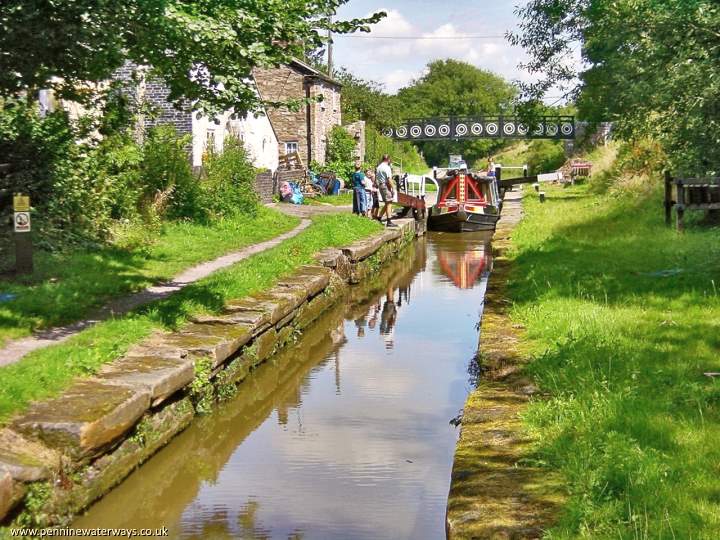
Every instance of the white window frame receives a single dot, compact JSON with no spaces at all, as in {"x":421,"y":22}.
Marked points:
{"x":291,"y":146}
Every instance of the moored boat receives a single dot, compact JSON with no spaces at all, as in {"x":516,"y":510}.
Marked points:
{"x":466,"y":202}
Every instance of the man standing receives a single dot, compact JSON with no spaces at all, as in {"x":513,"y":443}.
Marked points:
{"x":359,"y":199}
{"x":383,"y":177}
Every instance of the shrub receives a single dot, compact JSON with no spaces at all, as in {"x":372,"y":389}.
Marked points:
{"x":340,"y":153}
{"x":377,"y":145}
{"x":229,"y":184}
{"x":545,"y":156}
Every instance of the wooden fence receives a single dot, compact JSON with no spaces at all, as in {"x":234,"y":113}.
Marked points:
{"x":683,"y":194}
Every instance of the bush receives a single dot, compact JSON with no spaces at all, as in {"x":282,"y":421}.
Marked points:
{"x":340,"y":155}
{"x":229,"y":184}
{"x":377,"y":145}
{"x":545,"y":156}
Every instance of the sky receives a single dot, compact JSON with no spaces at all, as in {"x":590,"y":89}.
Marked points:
{"x":430,"y":30}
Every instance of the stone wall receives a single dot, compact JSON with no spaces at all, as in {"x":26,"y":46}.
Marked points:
{"x":264,"y":186}
{"x":324,"y":115}
{"x":281,"y":84}
{"x":357,"y":130}
{"x":64,"y":453}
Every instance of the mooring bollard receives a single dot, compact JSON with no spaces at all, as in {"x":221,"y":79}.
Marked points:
{"x":23,"y":238}
{"x":542,"y":196}
{"x":536,"y":187}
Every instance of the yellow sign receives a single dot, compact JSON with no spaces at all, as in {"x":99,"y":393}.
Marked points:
{"x":21,"y":203}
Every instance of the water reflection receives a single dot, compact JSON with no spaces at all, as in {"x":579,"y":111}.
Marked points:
{"x":466,"y":259}
{"x":344,"y":436}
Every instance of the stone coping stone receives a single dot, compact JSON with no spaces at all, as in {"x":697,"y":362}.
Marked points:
{"x":154,"y":346}
{"x":162,"y":376}
{"x":257,"y":320}
{"x":86,"y":418}
{"x":26,"y":460}
{"x":314,"y":278}
{"x":362,"y":249}
{"x":389,"y":235}
{"x":10,"y":493}
{"x":217,"y":342}
{"x":328,"y":257}
{"x":276,"y":307}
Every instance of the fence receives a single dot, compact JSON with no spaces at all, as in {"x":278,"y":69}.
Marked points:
{"x":683,"y":194}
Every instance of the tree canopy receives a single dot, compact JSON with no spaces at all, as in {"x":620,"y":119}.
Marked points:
{"x":652,"y":67}
{"x":455,"y":88}
{"x":204,"y":51}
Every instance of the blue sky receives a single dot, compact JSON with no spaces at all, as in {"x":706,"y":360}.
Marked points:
{"x":396,"y":62}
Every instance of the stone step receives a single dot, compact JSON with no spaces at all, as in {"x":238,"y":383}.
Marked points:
{"x":257,"y":320}
{"x":214,"y":341}
{"x":86,"y":419}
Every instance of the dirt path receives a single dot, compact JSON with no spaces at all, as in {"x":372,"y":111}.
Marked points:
{"x":495,"y":492}
{"x":16,"y":349}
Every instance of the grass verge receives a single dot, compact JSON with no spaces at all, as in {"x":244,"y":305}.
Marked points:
{"x":66,"y":286}
{"x":622,"y":318}
{"x":46,"y":372}
{"x":344,"y":199}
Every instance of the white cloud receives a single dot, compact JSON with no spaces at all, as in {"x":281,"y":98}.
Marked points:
{"x":398,"y":78}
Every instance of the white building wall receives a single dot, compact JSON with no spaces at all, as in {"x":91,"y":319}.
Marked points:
{"x":256,"y":133}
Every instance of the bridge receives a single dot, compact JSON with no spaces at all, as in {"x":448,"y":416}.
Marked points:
{"x":483,"y":127}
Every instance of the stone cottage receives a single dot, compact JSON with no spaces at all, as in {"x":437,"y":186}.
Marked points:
{"x":306,"y":130}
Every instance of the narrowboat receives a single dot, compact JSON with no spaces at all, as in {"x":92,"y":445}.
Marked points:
{"x":466,"y":202}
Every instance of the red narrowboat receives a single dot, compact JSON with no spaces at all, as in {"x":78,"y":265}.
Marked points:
{"x":466,"y":202}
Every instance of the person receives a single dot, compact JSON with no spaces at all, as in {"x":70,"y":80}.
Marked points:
{"x":491,"y":166}
{"x":375,"y":200}
{"x":368,"y":185}
{"x":359,"y":200}
{"x":383,"y":175}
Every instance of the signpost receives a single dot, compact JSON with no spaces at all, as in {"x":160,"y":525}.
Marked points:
{"x":23,"y":238}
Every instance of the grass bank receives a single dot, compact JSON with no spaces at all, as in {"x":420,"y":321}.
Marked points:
{"x":622,"y":318}
{"x":66,"y":286}
{"x":46,"y":372}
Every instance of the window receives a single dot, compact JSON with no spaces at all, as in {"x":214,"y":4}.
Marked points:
{"x":291,"y":147}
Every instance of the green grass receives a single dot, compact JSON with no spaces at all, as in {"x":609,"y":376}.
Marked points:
{"x":66,"y":286}
{"x":622,"y":318}
{"x":344,"y":199}
{"x":47,"y":371}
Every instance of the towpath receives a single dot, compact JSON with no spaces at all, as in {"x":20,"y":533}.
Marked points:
{"x":17,"y":349}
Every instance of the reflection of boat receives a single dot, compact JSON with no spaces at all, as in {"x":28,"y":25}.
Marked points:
{"x":466,"y":262}
{"x":466,"y":202}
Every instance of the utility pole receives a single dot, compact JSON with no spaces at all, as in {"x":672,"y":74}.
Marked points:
{"x":330,"y":51}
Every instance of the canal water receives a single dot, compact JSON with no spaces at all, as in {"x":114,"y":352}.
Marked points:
{"x":346,"y":435}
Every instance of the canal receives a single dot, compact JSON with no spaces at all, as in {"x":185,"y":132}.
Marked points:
{"x":345,"y":435}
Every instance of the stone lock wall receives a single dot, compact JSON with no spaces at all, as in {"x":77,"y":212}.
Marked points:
{"x":64,"y":453}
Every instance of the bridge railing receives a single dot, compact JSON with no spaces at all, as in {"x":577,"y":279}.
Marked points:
{"x":698,"y":193}
{"x":483,"y":127}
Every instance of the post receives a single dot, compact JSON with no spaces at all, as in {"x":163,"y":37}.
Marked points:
{"x":668,"y":198}
{"x":498,"y":173}
{"x":330,"y":50}
{"x":23,"y":238}
{"x":680,"y":206}
{"x":542,"y":196}
{"x":525,"y":171}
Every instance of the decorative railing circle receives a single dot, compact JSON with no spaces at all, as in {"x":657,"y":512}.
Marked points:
{"x":402,"y":132}
{"x":552,"y":129}
{"x":461,"y":129}
{"x":388,"y":132}
{"x":476,"y":128}
{"x":509,"y":128}
{"x":566,"y":128}
{"x":539,"y":129}
{"x":523,"y":129}
{"x":491,"y":128}
{"x":444,"y":130}
{"x":415,"y":131}
{"x":430,"y":130}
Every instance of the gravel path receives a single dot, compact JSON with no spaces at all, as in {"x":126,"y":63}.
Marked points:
{"x":16,"y":349}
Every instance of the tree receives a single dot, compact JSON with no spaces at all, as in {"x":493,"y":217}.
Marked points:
{"x":204,"y":51}
{"x":455,"y":88}
{"x":650,"y":67}
{"x":365,"y":100}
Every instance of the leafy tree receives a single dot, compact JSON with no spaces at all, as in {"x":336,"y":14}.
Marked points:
{"x":650,"y":67}
{"x":455,"y":88}
{"x":204,"y":51}
{"x":365,"y":100}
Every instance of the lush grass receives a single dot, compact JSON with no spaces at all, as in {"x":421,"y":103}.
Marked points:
{"x":622,"y":318}
{"x":66,"y":286}
{"x":344,"y":199}
{"x":46,"y":372}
